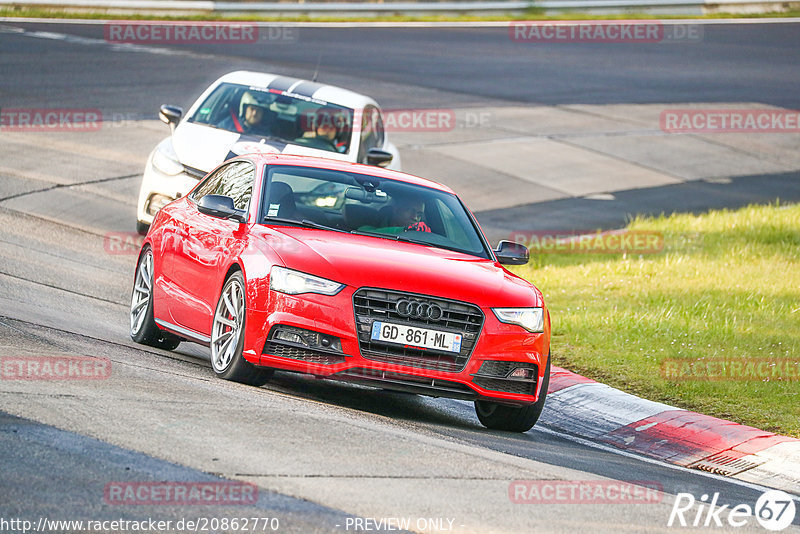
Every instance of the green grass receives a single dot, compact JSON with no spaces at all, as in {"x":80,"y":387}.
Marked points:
{"x":529,"y":14}
{"x":726,"y":286}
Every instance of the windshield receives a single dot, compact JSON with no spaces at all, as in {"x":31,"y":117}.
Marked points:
{"x":364,"y":204}
{"x":290,"y":118}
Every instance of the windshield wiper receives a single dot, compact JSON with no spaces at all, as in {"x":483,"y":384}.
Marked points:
{"x":394,"y":237}
{"x":312,"y":224}
{"x":373,"y":234}
{"x":304,"y":222}
{"x":409,"y":239}
{"x":271,"y":138}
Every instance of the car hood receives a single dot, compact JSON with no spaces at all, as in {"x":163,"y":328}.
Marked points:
{"x":204,"y":148}
{"x":365,"y":261}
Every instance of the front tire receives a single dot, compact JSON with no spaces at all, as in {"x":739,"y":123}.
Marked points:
{"x":227,"y":337}
{"x":143,"y":326}
{"x":513,"y":418}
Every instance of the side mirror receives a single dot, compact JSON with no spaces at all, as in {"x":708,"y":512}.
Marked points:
{"x":378,"y":157}
{"x":221,"y":207}
{"x":510,"y":253}
{"x":170,"y":115}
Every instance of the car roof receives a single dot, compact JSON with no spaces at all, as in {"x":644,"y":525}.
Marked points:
{"x":304,"y":88}
{"x":335,"y":165}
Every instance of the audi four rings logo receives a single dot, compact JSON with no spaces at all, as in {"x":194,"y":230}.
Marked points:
{"x":418,"y":310}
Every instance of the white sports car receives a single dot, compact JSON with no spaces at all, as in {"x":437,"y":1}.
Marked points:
{"x":251,"y":112}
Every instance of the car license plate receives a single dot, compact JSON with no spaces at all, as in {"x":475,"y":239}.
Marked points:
{"x":417,"y":337}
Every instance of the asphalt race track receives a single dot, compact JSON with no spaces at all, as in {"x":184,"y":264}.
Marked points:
{"x":436,"y":66}
{"x":321,"y":453}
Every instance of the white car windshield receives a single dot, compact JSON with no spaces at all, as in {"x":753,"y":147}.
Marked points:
{"x":364,"y":204}
{"x":282,"y":116}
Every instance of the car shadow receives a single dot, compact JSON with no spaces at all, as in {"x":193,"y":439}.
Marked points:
{"x":396,"y":405}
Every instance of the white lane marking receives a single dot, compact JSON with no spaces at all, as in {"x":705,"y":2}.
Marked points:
{"x":431,"y":24}
{"x":614,"y":450}
{"x":116,"y":47}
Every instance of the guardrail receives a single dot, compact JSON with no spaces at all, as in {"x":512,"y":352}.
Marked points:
{"x":684,"y":7}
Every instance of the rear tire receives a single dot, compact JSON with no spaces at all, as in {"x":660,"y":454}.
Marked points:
{"x":142,"y":228}
{"x":143,"y":326}
{"x":227,"y":337}
{"x":513,"y":418}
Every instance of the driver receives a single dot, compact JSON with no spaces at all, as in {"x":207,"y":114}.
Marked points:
{"x":404,"y":214}
{"x":252,"y":110}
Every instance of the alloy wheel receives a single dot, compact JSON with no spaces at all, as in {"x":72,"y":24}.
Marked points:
{"x":142,"y":292}
{"x":227,"y":327}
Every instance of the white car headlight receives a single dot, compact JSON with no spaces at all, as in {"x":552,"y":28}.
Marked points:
{"x":166,"y":161}
{"x":531,"y":319}
{"x":294,"y":282}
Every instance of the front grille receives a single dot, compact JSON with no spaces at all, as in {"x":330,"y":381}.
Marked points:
{"x":194,"y":173}
{"x":299,"y":353}
{"x":457,"y":317}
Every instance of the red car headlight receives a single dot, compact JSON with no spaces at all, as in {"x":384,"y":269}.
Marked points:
{"x":531,"y":319}
{"x":294,"y":282}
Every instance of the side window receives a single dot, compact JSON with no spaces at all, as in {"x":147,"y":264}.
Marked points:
{"x":235,"y":180}
{"x":238,"y":183}
{"x":371,"y":132}
{"x":210,"y":184}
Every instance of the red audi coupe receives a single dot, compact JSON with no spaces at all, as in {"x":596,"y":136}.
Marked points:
{"x":349,"y":272}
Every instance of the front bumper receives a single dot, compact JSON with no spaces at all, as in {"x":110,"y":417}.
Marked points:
{"x":498,"y":350}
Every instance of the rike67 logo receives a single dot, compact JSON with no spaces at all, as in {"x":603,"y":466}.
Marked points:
{"x":775,"y":510}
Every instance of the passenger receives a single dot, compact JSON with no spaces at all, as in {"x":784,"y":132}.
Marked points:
{"x":329,"y":128}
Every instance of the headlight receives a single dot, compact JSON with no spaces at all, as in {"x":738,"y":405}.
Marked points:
{"x":166,"y":161}
{"x":531,"y":319}
{"x":156,"y":202}
{"x":294,"y":282}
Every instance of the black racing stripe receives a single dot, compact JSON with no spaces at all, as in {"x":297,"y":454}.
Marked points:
{"x":307,"y":89}
{"x":280,"y":145}
{"x":282,"y":83}
{"x":248,"y":138}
